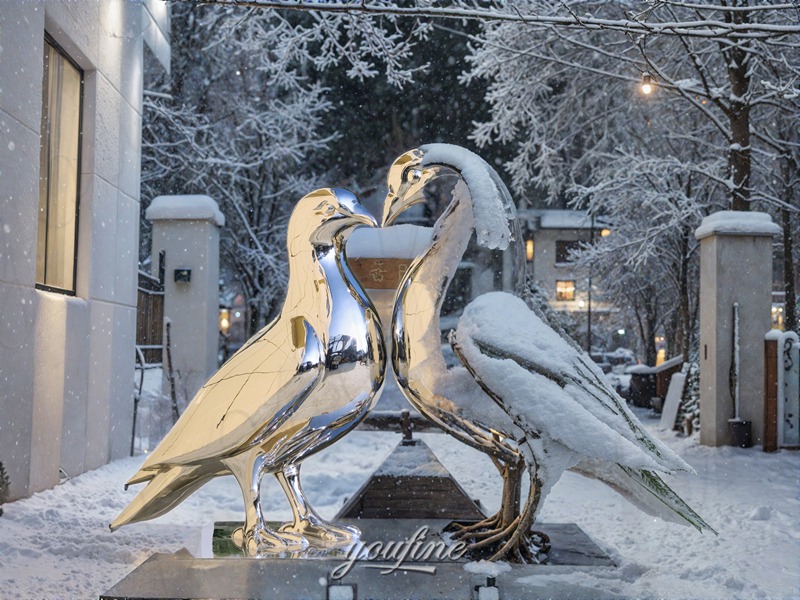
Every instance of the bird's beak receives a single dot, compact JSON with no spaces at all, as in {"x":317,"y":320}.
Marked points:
{"x":352,"y":210}
{"x":409,"y":193}
{"x":359,"y":214}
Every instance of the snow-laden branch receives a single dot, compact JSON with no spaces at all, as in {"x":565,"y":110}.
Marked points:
{"x":702,"y":28}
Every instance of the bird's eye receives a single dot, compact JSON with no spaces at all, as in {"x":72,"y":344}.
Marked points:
{"x":326,"y":209}
{"x":413,"y":175}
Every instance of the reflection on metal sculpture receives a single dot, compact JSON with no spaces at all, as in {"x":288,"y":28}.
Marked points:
{"x":495,"y":418}
{"x":416,"y":332}
{"x":298,"y":385}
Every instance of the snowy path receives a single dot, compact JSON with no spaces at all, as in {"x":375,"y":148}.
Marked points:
{"x":57,"y":544}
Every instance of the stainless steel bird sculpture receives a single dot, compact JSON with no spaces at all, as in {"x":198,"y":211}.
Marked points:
{"x":298,"y":385}
{"x":523,"y":395}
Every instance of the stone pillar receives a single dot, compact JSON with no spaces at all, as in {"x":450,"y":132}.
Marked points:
{"x":735,"y":267}
{"x":186,"y":230}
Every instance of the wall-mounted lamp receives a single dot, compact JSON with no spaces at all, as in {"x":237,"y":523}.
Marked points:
{"x":529,"y":250}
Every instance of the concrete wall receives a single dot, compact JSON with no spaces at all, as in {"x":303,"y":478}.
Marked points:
{"x":66,"y":363}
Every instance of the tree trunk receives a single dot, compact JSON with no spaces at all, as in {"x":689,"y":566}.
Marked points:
{"x":685,"y":324}
{"x":640,"y":326}
{"x":790,"y":316}
{"x":672,"y":333}
{"x":651,"y":320}
{"x":737,"y":60}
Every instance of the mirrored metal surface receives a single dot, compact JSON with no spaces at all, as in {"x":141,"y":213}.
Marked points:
{"x":297,"y":386}
{"x":443,"y":396}
{"x":417,"y":362}
{"x":416,"y":354}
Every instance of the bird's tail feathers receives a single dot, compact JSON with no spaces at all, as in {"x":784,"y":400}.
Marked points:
{"x":593,"y":383}
{"x":141,"y":476}
{"x":645,"y":490}
{"x":163,"y":492}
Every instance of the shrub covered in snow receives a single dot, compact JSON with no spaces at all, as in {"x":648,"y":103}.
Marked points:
{"x":689,"y":411}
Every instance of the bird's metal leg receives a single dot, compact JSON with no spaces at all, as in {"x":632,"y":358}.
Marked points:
{"x":521,"y":538}
{"x":307,"y":522}
{"x":254,"y":536}
{"x":511,"y":472}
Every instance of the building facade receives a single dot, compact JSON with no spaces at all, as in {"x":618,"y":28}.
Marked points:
{"x":70,"y":117}
{"x":550,"y":235}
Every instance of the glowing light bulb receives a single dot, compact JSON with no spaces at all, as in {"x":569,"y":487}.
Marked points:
{"x":647,"y":83}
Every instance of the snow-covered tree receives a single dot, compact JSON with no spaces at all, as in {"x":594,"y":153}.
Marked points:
{"x":241,"y":120}
{"x":568,"y":100}
{"x":243,"y":132}
{"x":563,"y":78}
{"x":655,"y":192}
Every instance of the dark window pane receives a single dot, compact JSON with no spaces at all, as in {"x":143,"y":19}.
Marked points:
{"x":563,"y":249}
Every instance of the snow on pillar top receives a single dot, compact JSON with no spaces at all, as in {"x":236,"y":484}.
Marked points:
{"x":398,"y":241}
{"x":184,"y":208}
{"x":737,"y":222}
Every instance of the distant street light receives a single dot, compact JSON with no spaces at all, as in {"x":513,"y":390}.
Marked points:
{"x":224,"y":320}
{"x":647,"y":83}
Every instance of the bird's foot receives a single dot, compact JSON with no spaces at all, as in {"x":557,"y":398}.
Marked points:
{"x":530,"y":548}
{"x":492,"y":539}
{"x":479,"y":530}
{"x":321,"y":533}
{"x":261,"y":541}
{"x":535,"y":547}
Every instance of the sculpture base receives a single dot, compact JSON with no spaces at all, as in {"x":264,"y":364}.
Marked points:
{"x":225,"y":573}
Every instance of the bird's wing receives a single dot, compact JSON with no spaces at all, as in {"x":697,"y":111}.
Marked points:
{"x":645,"y":490}
{"x":551,"y":387}
{"x":247,"y":399}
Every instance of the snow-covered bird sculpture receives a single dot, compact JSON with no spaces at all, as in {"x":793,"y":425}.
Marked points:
{"x":298,"y":385}
{"x":550,"y":406}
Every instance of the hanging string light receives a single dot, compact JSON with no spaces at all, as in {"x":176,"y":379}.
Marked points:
{"x":648,"y":83}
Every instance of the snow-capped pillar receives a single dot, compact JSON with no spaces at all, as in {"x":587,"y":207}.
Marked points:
{"x":735,"y":267}
{"x":186,"y":230}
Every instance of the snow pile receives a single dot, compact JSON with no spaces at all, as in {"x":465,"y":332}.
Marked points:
{"x":491,"y":203}
{"x":397,"y":241}
{"x":485,"y":567}
{"x":411,"y":461}
{"x":191,"y":208}
{"x":733,"y":222}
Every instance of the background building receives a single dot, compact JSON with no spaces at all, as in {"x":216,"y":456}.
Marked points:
{"x":550,"y":236}
{"x":70,"y":116}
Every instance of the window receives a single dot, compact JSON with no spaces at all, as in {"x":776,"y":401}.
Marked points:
{"x":565,"y":290}
{"x":563,"y":248}
{"x":59,"y":170}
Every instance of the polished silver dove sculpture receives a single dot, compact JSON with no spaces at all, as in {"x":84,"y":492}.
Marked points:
{"x":298,"y":385}
{"x":523,"y":395}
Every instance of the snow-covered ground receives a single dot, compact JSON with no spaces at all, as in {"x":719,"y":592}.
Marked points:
{"x":57,"y":543}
